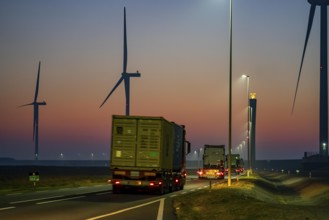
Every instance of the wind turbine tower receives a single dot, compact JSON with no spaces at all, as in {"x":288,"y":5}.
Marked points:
{"x":323,"y":142}
{"x":124,"y":76}
{"x":36,"y":104}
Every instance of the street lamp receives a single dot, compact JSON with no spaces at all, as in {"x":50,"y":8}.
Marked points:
{"x":324,"y":146}
{"x":196,"y":158}
{"x":244,"y":149}
{"x":200,"y":158}
{"x":230,"y":106}
{"x":248,"y":120}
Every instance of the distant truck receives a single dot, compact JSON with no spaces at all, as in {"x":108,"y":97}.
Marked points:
{"x":236,"y":163}
{"x":147,"y":153}
{"x":213,"y":162}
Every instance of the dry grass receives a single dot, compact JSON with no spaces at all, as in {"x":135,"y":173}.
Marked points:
{"x":254,"y":198}
{"x":16,"y":178}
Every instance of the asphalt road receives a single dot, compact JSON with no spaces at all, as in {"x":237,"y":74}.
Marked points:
{"x":96,"y":202}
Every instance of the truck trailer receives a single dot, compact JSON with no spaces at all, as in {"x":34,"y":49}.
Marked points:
{"x":213,"y":162}
{"x":147,"y":153}
{"x":236,"y":164}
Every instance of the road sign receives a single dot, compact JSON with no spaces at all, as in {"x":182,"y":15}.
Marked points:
{"x":34,"y":177}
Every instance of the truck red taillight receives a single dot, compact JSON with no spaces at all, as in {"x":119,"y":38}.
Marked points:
{"x":176,"y":180}
{"x":155,"y":183}
{"x":116,"y":182}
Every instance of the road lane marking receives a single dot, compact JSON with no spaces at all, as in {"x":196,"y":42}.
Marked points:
{"x":63,"y":189}
{"x":161,"y":208}
{"x":32,"y":200}
{"x":6,"y":208}
{"x":41,"y":191}
{"x":173,"y":195}
{"x":103,"y":193}
{"x":59,"y":200}
{"x":123,"y":210}
{"x":13,"y":194}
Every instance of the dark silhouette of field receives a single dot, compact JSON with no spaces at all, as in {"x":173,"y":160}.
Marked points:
{"x":16,"y":178}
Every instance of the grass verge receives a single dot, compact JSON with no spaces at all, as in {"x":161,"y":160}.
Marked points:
{"x":246,"y":199}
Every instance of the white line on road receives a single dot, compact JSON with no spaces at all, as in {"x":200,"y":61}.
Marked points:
{"x":42,"y":191}
{"x":13,"y":194}
{"x":32,"y":200}
{"x":161,"y":208}
{"x":6,"y":208}
{"x":59,"y":200}
{"x":173,"y":195}
{"x":103,"y":193}
{"x":123,"y":210}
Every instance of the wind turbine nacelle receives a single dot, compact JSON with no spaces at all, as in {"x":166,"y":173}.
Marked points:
{"x":42,"y":103}
{"x":318,"y":2}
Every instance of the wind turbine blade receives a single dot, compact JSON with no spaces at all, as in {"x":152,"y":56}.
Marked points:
{"x":25,"y":105}
{"x":118,"y":83}
{"x":37,"y":86}
{"x":125,"y":56}
{"x":309,"y":27}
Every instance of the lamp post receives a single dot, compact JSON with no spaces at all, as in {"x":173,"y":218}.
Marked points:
{"x":230,"y":106}
{"x":248,"y":120}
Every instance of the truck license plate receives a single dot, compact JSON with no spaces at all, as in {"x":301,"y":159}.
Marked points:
{"x":135,"y":182}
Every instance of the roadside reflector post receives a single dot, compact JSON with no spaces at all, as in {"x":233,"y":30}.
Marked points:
{"x":310,"y":174}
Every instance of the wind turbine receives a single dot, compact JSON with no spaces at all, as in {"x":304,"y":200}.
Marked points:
{"x":36,"y":104}
{"x":323,"y":70}
{"x":124,"y":76}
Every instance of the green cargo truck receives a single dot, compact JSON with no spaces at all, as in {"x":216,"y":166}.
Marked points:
{"x":236,"y":163}
{"x":147,"y":153}
{"x":213,"y":162}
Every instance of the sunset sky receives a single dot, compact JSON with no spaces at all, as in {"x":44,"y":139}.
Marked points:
{"x":181,"y":49}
